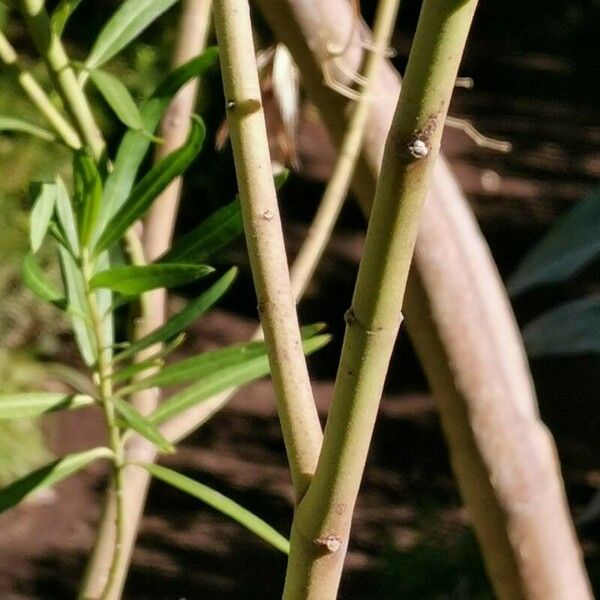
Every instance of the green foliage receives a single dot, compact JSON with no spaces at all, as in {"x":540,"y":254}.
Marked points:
{"x":34,"y":404}
{"x":221,"y":503}
{"x":84,"y":217}
{"x":572,"y":244}
{"x":151,"y":185}
{"x":22,"y":126}
{"x":118,"y":98}
{"x":132,"y":17}
{"x":49,"y":475}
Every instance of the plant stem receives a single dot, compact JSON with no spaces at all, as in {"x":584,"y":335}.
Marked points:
{"x":157,"y":233}
{"x":323,"y":224}
{"x":38,"y":96}
{"x":264,"y":237}
{"x":61,"y":72}
{"x":104,"y":386}
{"x":465,"y":333}
{"x":323,"y":519}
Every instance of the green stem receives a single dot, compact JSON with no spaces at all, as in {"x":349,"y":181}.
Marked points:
{"x":105,"y":393}
{"x":37,"y":95}
{"x":333,"y":199}
{"x":61,"y":72}
{"x":323,"y":519}
{"x":264,"y":238}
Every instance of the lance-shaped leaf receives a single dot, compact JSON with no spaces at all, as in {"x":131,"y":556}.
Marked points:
{"x":21,"y":126}
{"x":34,"y":404}
{"x":84,"y":335}
{"x":61,"y":15}
{"x":87,"y":194}
{"x":66,"y":218}
{"x":134,"y":145}
{"x":41,"y":213}
{"x":128,"y":21}
{"x":572,"y":328}
{"x":117,"y":96}
{"x":221,"y":503}
{"x":49,"y":475}
{"x":136,"y":421}
{"x":133,"y":280}
{"x":220,"y":229}
{"x":184,"y":317}
{"x":238,"y":368}
{"x":571,"y":244}
{"x":151,"y":185}
{"x":35,"y":279}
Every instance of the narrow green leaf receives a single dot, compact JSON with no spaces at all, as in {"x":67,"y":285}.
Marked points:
{"x":34,"y":404}
{"x":571,"y":244}
{"x":151,"y":185}
{"x":66,"y":217}
{"x":216,"y":372}
{"x":61,"y":15}
{"x":35,"y":279}
{"x":134,"y":144}
{"x":221,"y":503}
{"x":220,"y":229}
{"x":139,"y":423}
{"x":128,"y":21}
{"x":87,"y":194}
{"x":14,"y":124}
{"x":118,"y":98}
{"x":84,"y":335}
{"x":133,"y":280}
{"x":48,"y":475}
{"x":572,"y":328}
{"x":41,"y":213}
{"x":183,"y":318}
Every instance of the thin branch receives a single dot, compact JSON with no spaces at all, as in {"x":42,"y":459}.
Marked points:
{"x":323,"y":519}
{"x":464,"y":331}
{"x":323,"y":224}
{"x":264,"y":237}
{"x":61,"y":72}
{"x":37,"y":95}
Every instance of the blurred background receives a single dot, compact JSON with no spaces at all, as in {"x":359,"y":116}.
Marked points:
{"x":535,"y":69}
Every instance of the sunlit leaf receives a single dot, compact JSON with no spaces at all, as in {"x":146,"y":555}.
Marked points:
{"x":139,"y":423}
{"x":218,"y":371}
{"x":128,"y":21}
{"x":66,"y":218}
{"x":35,"y":279}
{"x":118,"y":98}
{"x":571,"y":244}
{"x":134,"y":145}
{"x":14,"y":124}
{"x":220,"y":229}
{"x":133,"y":280}
{"x":34,"y":404}
{"x":87,"y":194}
{"x":221,"y":503}
{"x":49,"y":475}
{"x":41,"y":213}
{"x":183,"y":318}
{"x":61,"y":15}
{"x":572,"y":328}
{"x":151,"y":185}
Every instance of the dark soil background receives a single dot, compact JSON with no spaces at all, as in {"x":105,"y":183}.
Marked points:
{"x":535,"y":67}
